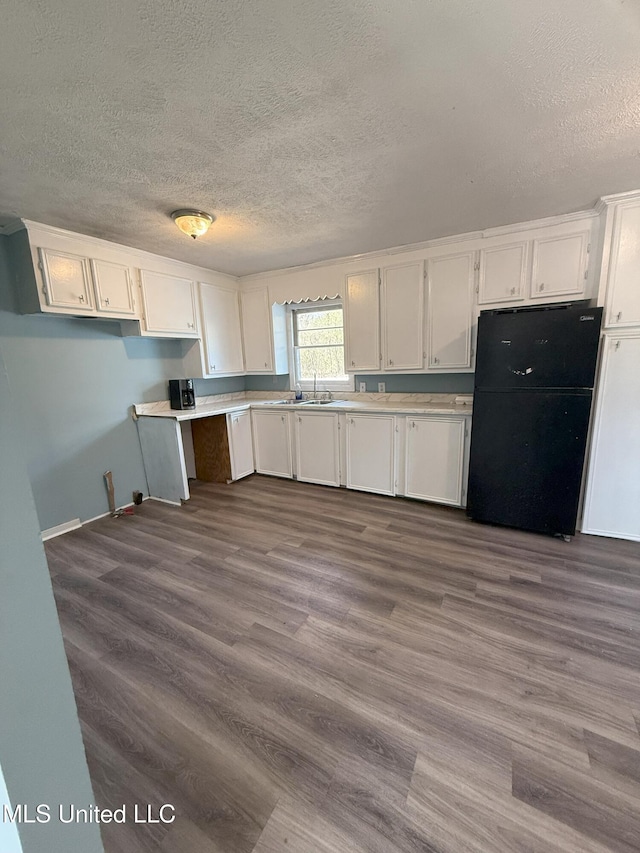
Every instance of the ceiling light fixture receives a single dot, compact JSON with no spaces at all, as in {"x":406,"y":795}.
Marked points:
{"x":195,"y":223}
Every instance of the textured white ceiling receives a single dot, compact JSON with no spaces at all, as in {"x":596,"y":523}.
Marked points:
{"x":313,"y":128}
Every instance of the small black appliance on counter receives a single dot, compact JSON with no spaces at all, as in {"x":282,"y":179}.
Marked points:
{"x":182,"y":394}
{"x":535,"y":372}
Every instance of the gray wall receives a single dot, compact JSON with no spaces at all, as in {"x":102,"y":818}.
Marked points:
{"x":407,"y":383}
{"x":74,"y":382}
{"x":450,"y":383}
{"x":41,"y":751}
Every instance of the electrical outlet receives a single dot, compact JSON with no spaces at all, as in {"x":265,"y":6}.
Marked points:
{"x":362,"y":387}
{"x":381,"y":387}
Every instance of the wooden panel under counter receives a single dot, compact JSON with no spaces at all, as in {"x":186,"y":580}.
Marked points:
{"x":211,"y":449}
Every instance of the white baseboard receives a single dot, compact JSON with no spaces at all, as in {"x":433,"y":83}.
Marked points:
{"x":59,"y":529}
{"x":66,"y":526}
{"x":164,"y":501}
{"x":630,"y":537}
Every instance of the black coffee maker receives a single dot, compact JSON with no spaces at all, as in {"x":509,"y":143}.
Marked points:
{"x":182,"y":394}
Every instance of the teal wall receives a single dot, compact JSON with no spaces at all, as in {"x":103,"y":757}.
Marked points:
{"x":41,"y":752}
{"x":419,"y":383}
{"x":267,"y":383}
{"x":450,"y":383}
{"x":74,"y":382}
{"x":204,"y":387}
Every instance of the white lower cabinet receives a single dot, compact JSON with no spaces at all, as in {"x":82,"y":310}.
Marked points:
{"x":435,"y":459}
{"x":272,"y":443}
{"x":240,"y":444}
{"x":317,"y":447}
{"x":370,"y":449}
{"x":612,"y":503}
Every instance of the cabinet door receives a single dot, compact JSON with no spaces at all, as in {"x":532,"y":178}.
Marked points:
{"x":450,"y":311}
{"x":256,"y":331}
{"x":240,"y":444}
{"x":362,"y":320}
{"x":317,"y":449}
{"x":114,"y":290}
{"x":403,"y":316}
{"x":623,"y":287}
{"x":559,"y":265}
{"x":612,"y":505}
{"x":503,"y":272}
{"x":67,"y":280}
{"x":435,"y":459}
{"x":221,"y":327}
{"x":272,"y":443}
{"x":169,"y":304}
{"x":370,"y":453}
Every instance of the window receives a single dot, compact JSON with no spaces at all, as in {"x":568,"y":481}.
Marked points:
{"x":318,"y":347}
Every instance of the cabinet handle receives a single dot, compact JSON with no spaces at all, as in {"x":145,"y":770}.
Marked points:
{"x":107,"y":301}
{"x":617,"y":346}
{"x":282,"y":418}
{"x":618,"y":316}
{"x":81,"y":298}
{"x":191,"y":325}
{"x":353,"y":364}
{"x":212,"y":367}
{"x":541,"y":285}
{"x":436,"y":360}
{"x":390,"y":362}
{"x":351,"y":421}
{"x":265,"y":364}
{"x":513,"y":291}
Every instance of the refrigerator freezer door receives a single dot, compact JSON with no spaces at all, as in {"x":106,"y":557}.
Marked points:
{"x":549,"y":348}
{"x":527,"y":455}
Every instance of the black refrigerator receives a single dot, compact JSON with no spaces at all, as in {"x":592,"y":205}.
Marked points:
{"x":535,"y":369}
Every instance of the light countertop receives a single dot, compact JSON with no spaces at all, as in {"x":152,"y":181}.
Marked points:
{"x":208,"y":409}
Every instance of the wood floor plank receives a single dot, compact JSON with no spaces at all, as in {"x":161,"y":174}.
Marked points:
{"x":305,"y":669}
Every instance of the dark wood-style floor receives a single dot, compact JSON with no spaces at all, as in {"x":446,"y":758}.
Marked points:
{"x":311,"y":670}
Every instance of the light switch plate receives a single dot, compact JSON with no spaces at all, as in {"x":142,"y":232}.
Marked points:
{"x":381,"y":387}
{"x":362,"y":387}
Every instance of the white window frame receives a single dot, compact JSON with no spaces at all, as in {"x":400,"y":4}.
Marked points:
{"x":307,"y":384}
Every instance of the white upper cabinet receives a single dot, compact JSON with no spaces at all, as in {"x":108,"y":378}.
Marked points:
{"x":317,"y":448}
{"x":256,"y":331}
{"x":169,"y":305}
{"x":221,"y":327}
{"x":264,"y":333}
{"x":450,"y":300}
{"x":623,"y":285}
{"x":114,"y":288}
{"x":559,"y":265}
{"x":67,"y":281}
{"x":503,"y":273}
{"x":403,"y":316}
{"x":362,"y":321}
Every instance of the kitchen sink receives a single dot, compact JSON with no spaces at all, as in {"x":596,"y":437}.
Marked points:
{"x":299,"y":402}
{"x":285,"y":402}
